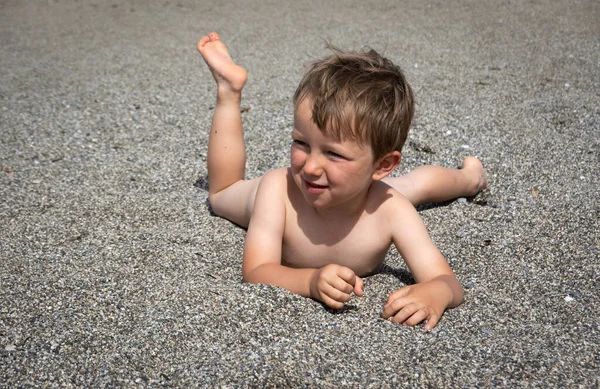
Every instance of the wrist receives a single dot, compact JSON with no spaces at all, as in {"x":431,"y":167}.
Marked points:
{"x":453,"y":289}
{"x":312,"y":283}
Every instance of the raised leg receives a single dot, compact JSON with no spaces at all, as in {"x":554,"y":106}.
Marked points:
{"x":230,"y":195}
{"x":433,"y":184}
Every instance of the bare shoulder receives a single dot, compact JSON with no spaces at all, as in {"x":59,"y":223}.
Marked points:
{"x":275,"y":179}
{"x":386,"y":200}
{"x":389,"y":211}
{"x":270,"y":197}
{"x":272,"y":193}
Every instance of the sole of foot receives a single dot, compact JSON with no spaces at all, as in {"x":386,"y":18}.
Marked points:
{"x":227,"y":74}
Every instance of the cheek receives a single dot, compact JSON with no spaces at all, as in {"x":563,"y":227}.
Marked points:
{"x":297,"y":159}
{"x":349,"y":173}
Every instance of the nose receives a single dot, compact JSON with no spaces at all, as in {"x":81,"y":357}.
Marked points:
{"x":313,"y":166}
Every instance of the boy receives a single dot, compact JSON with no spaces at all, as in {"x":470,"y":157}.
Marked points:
{"x":317,"y":227}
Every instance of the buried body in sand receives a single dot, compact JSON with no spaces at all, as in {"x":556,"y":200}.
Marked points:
{"x":318,"y":226}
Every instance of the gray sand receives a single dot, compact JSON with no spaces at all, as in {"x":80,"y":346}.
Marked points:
{"x":114,"y":273}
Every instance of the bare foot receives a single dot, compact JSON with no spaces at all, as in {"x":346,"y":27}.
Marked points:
{"x":474,"y":168}
{"x":227,"y":74}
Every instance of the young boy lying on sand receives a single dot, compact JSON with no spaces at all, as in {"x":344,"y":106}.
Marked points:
{"x":318,"y":226}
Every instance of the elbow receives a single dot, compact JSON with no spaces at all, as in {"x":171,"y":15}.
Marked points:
{"x":246,"y":279}
{"x":246,"y":276}
{"x":250,"y":280}
{"x":458,"y":293}
{"x":249,"y":276}
{"x":460,"y":296}
{"x":259,"y":274}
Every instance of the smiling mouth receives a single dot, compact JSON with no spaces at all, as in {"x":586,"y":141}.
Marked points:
{"x":314,"y":188}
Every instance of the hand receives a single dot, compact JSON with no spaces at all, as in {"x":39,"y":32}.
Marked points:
{"x":414,"y":303}
{"x":333,"y":285}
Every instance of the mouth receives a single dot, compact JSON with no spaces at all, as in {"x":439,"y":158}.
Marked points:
{"x":314,"y":188}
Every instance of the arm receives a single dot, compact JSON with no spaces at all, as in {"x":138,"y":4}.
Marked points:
{"x":437,"y":288}
{"x":331,"y":284}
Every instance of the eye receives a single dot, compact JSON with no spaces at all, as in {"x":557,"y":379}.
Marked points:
{"x":299,"y":143}
{"x":334,"y":155}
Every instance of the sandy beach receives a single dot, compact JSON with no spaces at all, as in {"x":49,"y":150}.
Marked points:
{"x":115,"y":273}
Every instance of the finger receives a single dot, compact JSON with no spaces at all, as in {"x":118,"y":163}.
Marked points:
{"x":331,"y":303}
{"x":336,"y":294}
{"x":404,"y":313}
{"x":432,"y":321}
{"x":358,"y":287}
{"x":393,"y":307}
{"x":402,"y":292}
{"x":347,"y":275}
{"x":417,"y":317}
{"x":341,"y":285}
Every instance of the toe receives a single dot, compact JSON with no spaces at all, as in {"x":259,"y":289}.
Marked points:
{"x":214,"y":37}
{"x":204,"y":40}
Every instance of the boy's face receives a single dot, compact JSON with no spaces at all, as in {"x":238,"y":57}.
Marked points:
{"x":328,"y":172}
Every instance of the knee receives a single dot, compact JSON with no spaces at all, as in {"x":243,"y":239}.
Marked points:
{"x":234,"y":211}
{"x":215,"y":204}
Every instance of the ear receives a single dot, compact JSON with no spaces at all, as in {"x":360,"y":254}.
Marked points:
{"x":386,"y":165}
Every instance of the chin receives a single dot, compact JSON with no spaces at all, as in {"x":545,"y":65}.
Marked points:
{"x":314,"y":201}
{"x":323,"y":203}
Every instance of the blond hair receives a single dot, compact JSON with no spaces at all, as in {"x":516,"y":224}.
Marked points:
{"x":359,"y":95}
